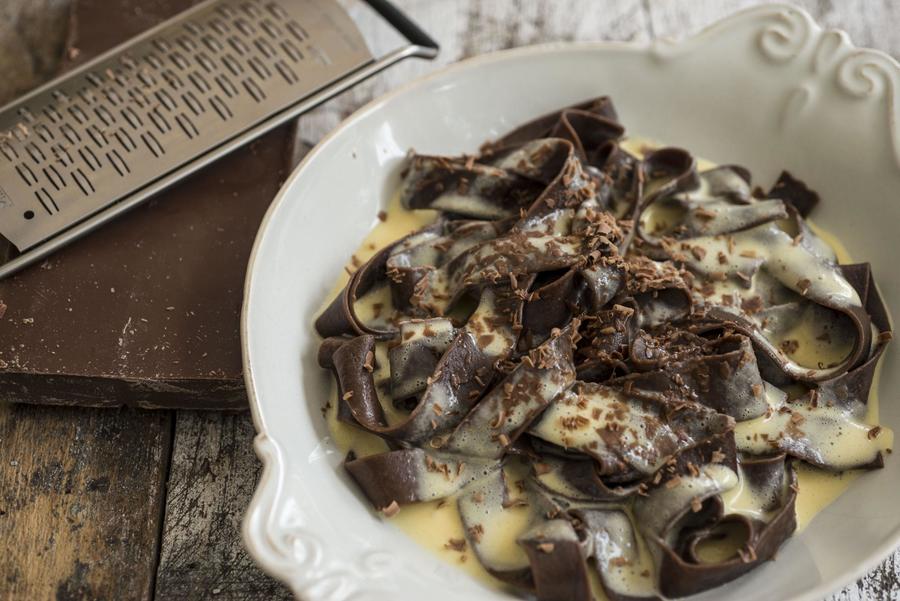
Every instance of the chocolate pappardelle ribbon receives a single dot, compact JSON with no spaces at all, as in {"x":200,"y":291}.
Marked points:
{"x":649,"y":347}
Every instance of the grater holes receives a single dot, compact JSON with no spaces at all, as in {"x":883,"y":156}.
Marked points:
{"x":172,"y":79}
{"x":205,"y":62}
{"x":178,"y":60}
{"x":115,"y":159}
{"x":127,"y":61}
{"x":78,"y":114}
{"x":250,"y":10}
{"x":8,"y":151}
{"x":254,"y":90}
{"x":159,"y":121}
{"x":90,"y":159}
{"x":104,"y":115}
{"x":146,"y":78}
{"x":199,"y":82}
{"x":264,"y":47}
{"x":226,"y":11}
{"x":270,"y":29}
{"x":292,"y":51}
{"x":132,"y":118}
{"x":297,"y":31}
{"x":26,"y":114}
{"x":52,"y":114}
{"x":244,"y":27}
{"x":61,"y":154}
{"x":20,"y":132}
{"x":191,"y":101}
{"x":26,"y":174}
{"x":192,"y":28}
{"x":259,"y":68}
{"x":112,"y":96}
{"x":153,"y":144}
{"x":83,"y":182}
{"x":87,"y":96}
{"x":125,"y":140}
{"x":162,"y":45}
{"x":138,"y":97}
{"x":54,"y":177}
{"x":221,"y":108}
{"x":43,"y":132}
{"x":153,"y":60}
{"x":186,"y":43}
{"x":286,"y":72}
{"x":232,"y":65}
{"x":60,"y":96}
{"x":226,"y":85}
{"x":277,"y":11}
{"x":36,"y":154}
{"x":46,"y":201}
{"x":218,"y":26}
{"x":70,"y":134}
{"x":94,"y":79}
{"x":96,"y":134}
{"x":250,"y":53}
{"x":165,"y":99}
{"x":187,"y":125}
{"x":239,"y":46}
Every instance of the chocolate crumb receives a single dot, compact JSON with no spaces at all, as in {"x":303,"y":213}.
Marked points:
{"x":456,"y":544}
{"x":391,"y":510}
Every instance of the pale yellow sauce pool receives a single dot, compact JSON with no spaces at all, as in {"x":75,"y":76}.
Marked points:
{"x":433,"y":524}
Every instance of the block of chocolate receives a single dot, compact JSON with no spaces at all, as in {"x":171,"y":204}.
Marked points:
{"x":146,"y":310}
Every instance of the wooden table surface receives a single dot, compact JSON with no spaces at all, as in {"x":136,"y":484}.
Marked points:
{"x":127,"y":504}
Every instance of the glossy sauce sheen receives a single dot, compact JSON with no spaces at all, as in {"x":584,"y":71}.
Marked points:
{"x":434,"y":524}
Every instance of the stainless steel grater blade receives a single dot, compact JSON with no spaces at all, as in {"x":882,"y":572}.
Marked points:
{"x":96,"y":142}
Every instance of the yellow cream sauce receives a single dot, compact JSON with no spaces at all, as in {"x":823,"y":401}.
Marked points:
{"x":434,"y":524}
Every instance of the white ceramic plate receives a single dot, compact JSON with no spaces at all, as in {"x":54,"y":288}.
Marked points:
{"x":766,"y":88}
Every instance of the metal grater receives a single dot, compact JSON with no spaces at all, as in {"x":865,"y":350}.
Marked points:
{"x":96,"y":142}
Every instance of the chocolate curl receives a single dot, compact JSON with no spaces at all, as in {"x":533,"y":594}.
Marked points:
{"x":543,"y":126}
{"x":683,"y":573}
{"x":340,"y":318}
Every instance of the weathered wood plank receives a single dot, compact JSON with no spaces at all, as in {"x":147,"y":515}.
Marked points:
{"x":213,"y":474}
{"x":80,"y":490}
{"x":80,"y":502}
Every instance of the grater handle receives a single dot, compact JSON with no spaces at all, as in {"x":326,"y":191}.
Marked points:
{"x":402,"y":23}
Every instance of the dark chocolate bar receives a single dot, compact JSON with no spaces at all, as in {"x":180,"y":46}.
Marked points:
{"x":145,"y":311}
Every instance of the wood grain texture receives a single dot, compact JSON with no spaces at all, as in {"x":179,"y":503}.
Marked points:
{"x":213,"y":474}
{"x":80,"y":502}
{"x":81,"y":491}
